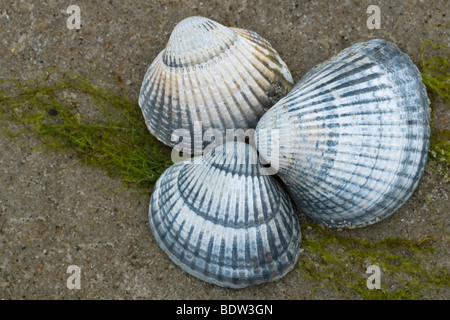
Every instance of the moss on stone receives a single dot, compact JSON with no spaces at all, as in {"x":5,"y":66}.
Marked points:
{"x":118,"y":141}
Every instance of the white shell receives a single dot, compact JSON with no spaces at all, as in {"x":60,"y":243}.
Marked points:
{"x":353,"y":135}
{"x":225,"y":78}
{"x":224,"y":222}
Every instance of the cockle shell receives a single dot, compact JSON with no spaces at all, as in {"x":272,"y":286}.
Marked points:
{"x":223,"y":78}
{"x":223,"y":221}
{"x":353,"y":135}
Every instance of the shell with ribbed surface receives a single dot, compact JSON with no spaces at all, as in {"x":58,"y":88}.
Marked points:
{"x":221,"y":220}
{"x":225,"y":78}
{"x":353,"y":135}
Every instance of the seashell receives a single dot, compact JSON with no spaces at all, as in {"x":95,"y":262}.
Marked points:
{"x":224,"y":222}
{"x":224,"y":78}
{"x":353,"y":135}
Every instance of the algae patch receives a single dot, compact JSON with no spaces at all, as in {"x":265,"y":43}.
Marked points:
{"x":115,"y":138}
{"x":435,"y":68}
{"x":341,"y":263}
{"x":440,"y":148}
{"x":435,"y":71}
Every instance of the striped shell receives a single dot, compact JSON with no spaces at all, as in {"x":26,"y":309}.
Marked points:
{"x":353,"y":135}
{"x":224,"y":222}
{"x":225,"y":78}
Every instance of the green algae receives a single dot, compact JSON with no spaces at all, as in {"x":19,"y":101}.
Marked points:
{"x":435,"y":71}
{"x":116,"y":140}
{"x":341,"y":263}
{"x":435,"y":68}
{"x":440,"y":149}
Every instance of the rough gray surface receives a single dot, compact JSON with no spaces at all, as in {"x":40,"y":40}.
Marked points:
{"x":55,"y":212}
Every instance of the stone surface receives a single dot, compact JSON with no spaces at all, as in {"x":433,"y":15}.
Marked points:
{"x":55,"y":212}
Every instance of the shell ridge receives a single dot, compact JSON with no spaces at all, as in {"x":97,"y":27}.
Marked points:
{"x":261,"y":45}
{"x":221,"y":105}
{"x":339,"y":92}
{"x":149,"y":82}
{"x":216,"y":106}
{"x":156,"y":127}
{"x":191,"y":117}
{"x":305,"y":109}
{"x":182,"y":103}
{"x":192,"y":37}
{"x":261,"y":80}
{"x":171,"y":99}
{"x":244,"y":115}
{"x":189,"y":187}
{"x":263,"y":61}
{"x":270,"y":198}
{"x":271,"y":64}
{"x":254,"y":37}
{"x":333,"y":83}
{"x":326,"y":69}
{"x":213,"y":216}
{"x":348,"y":58}
{"x":237,"y":78}
{"x":332,"y":188}
{"x":149,"y":109}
